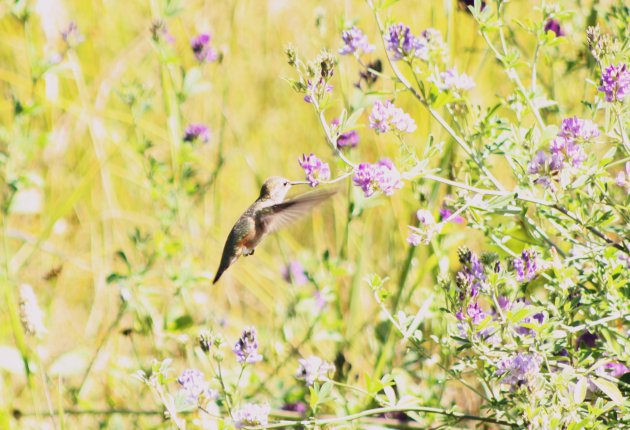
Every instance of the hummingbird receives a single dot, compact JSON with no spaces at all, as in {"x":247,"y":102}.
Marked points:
{"x":267,"y":214}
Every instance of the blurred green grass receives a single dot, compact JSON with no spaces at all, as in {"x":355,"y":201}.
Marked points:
{"x":77,"y":144}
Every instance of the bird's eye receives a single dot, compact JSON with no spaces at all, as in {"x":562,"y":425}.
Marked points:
{"x":286,"y":183}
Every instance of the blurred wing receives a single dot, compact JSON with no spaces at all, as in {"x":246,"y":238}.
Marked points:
{"x":282,"y":214}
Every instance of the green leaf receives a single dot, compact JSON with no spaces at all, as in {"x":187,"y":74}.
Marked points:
{"x":352,"y":119}
{"x":181,"y":323}
{"x":579,"y":392}
{"x":610,"y":389}
{"x":521,"y":314}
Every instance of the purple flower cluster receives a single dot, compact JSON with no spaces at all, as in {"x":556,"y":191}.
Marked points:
{"x":349,"y":139}
{"x":355,"y":42}
{"x":194,"y":386}
{"x":474,"y":312}
{"x":615,"y":82}
{"x":200,"y":46}
{"x":314,"y":369}
{"x":196,"y":132}
{"x":566,"y":150}
{"x":386,"y":117}
{"x":578,"y":130}
{"x":294,"y":273}
{"x":402,"y":43}
{"x":382,"y":176}
{"x":316,"y":170}
{"x":252,"y":415}
{"x":316,"y":88}
{"x":554,"y":26}
{"x":455,"y":82}
{"x":471,"y":277}
{"x":246,"y":348}
{"x":520,"y":369}
{"x":527,"y":266}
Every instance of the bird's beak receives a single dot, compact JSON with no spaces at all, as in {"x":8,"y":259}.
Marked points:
{"x":299,"y":183}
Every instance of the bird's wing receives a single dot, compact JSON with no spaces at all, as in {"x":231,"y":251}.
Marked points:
{"x":282,"y":214}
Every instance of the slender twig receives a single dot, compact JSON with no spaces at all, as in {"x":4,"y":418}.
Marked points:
{"x":109,"y":331}
{"x":380,"y":411}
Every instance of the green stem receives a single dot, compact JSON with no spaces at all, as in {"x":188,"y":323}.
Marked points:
{"x":380,"y":411}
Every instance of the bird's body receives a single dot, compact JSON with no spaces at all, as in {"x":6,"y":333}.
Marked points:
{"x":267,"y":214}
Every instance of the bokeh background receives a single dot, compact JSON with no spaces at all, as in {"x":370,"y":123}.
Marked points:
{"x":87,"y":137}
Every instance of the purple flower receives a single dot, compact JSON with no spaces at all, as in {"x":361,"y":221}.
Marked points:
{"x":197,"y":131}
{"x":528,"y":266}
{"x":200,"y":46}
{"x":615,"y":82}
{"x":475,"y":313}
{"x":576,"y":129}
{"x":382,"y":176}
{"x":355,"y":41}
{"x":294,"y":273}
{"x":316,"y":170}
{"x":586,"y":339}
{"x":471,"y":277}
{"x":414,"y":239}
{"x":519,"y":370}
{"x":401,"y":42}
{"x":317,"y":89}
{"x":349,"y":139}
{"x":425,"y":231}
{"x":434,"y":49}
{"x":554,"y":25}
{"x":616,"y":369}
{"x":252,"y":415}
{"x":386,"y":117}
{"x":425,"y":217}
{"x":565,"y":150}
{"x":71,"y":35}
{"x":314,"y":369}
{"x":299,"y":407}
{"x":537,"y":165}
{"x":446,"y":214}
{"x":455,"y":82}
{"x":246,"y":348}
{"x":194,"y":386}
{"x":159,"y":32}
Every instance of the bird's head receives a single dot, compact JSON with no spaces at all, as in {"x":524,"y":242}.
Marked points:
{"x":275,"y":188}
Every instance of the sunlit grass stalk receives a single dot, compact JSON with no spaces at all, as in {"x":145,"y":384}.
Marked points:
{"x":14,"y":313}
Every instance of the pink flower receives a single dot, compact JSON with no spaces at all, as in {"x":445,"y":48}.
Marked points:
{"x":386,"y":117}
